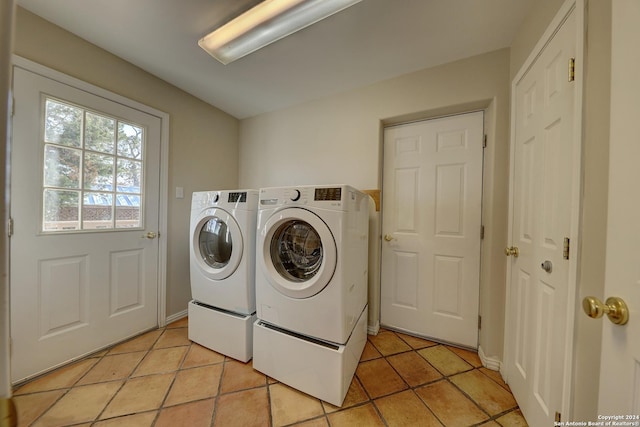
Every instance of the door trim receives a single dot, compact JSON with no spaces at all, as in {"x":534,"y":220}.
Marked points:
{"x":52,"y":74}
{"x":578,"y":7}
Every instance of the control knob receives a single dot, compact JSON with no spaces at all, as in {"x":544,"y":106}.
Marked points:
{"x":296,"y":196}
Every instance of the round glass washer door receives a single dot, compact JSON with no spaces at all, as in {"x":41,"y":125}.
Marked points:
{"x":217,"y":244}
{"x":299,"y":253}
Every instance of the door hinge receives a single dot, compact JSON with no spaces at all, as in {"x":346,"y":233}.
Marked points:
{"x":10,"y":227}
{"x":558,"y":417}
{"x":479,"y":322}
{"x":572,"y":69}
{"x":566,"y":248}
{"x":484,"y":142}
{"x":13,"y":106}
{"x":481,"y":232}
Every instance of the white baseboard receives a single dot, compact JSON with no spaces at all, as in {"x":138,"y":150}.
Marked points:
{"x":489,"y":362}
{"x":176,"y":316}
{"x":373,"y":329}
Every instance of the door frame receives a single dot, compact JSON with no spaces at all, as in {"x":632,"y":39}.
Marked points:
{"x":578,"y":7}
{"x":18,"y":61}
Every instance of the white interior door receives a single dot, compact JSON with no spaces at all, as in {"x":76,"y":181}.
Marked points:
{"x":542,"y":180}
{"x":620,"y":361}
{"x":85,"y":195}
{"x":431,"y":219}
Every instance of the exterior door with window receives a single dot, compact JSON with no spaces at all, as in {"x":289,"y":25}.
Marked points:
{"x":85,"y":194}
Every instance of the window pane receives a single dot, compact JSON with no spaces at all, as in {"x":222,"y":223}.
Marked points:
{"x":92,"y":170}
{"x":128,"y":216}
{"x":97,"y":211}
{"x":99,"y":133}
{"x":98,"y":171}
{"x":63,"y":124}
{"x":61,"y":210}
{"x":130,"y":139}
{"x":61,"y":167}
{"x":127,"y":211}
{"x":129,"y":176}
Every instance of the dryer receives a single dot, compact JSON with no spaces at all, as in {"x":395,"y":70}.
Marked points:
{"x":311,"y":287}
{"x":312,"y":259}
{"x":222,"y":270}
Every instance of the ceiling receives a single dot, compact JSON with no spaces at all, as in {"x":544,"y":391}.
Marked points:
{"x":371,"y":41}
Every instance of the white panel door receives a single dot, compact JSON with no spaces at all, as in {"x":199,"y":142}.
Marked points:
{"x":431,"y":218}
{"x":541,"y":220}
{"x":85,"y":193}
{"x":620,"y":361}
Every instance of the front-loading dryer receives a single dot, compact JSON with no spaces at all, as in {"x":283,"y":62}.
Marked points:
{"x":312,"y":259}
{"x":311,"y":287}
{"x":222,"y":270}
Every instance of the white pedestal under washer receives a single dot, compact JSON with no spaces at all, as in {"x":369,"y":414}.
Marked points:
{"x":222,"y":270}
{"x":312,"y":259}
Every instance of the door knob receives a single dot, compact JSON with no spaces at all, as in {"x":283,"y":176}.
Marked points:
{"x":388,"y":237}
{"x":512,"y":250}
{"x":150,"y":235}
{"x":615,"y":309}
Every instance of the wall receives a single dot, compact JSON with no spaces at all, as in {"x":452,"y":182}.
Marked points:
{"x":588,"y":332}
{"x":203,"y":151}
{"x":597,"y":79}
{"x":7,"y":10}
{"x":338,"y":139}
{"x":536,"y":22}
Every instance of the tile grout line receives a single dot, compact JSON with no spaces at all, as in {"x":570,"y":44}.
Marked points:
{"x":324,"y":415}
{"x":125,"y":380}
{"x":444,"y":377}
{"x":175,"y":374}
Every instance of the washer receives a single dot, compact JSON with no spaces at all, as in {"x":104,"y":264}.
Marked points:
{"x":312,"y":259}
{"x":222,"y":270}
{"x":311,"y":287}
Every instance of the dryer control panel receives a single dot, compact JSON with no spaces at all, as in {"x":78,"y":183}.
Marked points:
{"x":325,"y":194}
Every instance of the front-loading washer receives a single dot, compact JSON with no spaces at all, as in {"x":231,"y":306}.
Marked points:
{"x":311,"y":287}
{"x":312,"y":259}
{"x":222,"y":270}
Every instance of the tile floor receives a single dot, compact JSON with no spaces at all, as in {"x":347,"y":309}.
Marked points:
{"x":163,"y":379}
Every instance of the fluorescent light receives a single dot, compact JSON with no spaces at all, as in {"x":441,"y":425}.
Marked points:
{"x":266,"y":23}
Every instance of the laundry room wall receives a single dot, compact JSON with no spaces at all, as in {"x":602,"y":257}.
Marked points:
{"x":203,"y":151}
{"x":338,"y":139}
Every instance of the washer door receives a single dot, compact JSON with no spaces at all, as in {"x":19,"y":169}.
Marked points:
{"x":217,"y":244}
{"x":299,"y":252}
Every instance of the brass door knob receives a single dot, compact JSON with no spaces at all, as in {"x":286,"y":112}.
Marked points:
{"x":388,"y":237}
{"x":615,"y":309}
{"x":512,"y":250}
{"x":150,"y":235}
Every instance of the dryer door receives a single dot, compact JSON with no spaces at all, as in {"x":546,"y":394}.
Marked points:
{"x":299,"y":252}
{"x":217,"y":244}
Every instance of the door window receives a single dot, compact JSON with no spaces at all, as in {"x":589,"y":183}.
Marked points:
{"x":296,"y":251}
{"x":92,"y":170}
{"x":215,"y":243}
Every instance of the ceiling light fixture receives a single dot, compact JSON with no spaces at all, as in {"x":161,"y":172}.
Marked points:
{"x":266,"y":23}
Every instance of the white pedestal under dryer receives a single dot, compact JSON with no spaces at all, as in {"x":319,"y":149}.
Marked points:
{"x":311,"y":287}
{"x":222,"y":271}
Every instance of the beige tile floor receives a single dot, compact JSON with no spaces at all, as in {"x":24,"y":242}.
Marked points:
{"x":163,"y":379}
